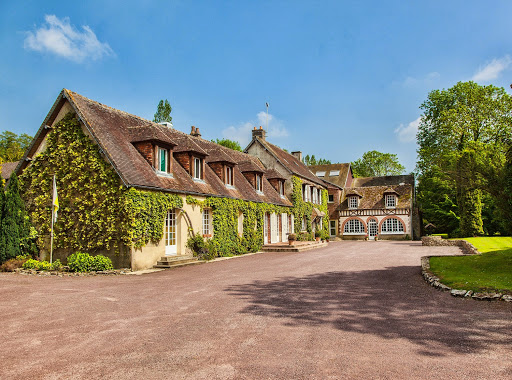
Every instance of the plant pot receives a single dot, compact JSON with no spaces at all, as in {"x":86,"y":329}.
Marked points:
{"x":291,"y":242}
{"x":317,"y":239}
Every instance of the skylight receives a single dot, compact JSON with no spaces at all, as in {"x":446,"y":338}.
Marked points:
{"x":334,"y":172}
{"x":320,"y":174}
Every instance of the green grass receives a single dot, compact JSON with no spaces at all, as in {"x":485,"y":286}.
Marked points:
{"x":490,"y":271}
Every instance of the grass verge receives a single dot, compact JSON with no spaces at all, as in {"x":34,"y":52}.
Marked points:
{"x":490,"y":271}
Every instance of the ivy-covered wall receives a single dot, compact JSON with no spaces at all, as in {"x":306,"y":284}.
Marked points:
{"x":97,"y":213}
{"x":301,"y":208}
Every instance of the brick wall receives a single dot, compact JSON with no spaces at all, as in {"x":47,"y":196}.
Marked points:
{"x":218,"y":168}
{"x":147,"y":151}
{"x":251,"y":177}
{"x":184,"y":159}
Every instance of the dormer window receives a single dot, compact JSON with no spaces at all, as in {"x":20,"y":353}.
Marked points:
{"x":353,"y":201}
{"x":198,"y":168}
{"x":390,"y":200}
{"x":229,"y":176}
{"x":281,"y":188}
{"x":259,"y":184}
{"x":163,"y":160}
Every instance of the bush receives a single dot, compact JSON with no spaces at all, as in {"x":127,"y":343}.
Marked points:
{"x":42,"y":265}
{"x":205,"y":250}
{"x":31,"y":264}
{"x":13,"y":264}
{"x":292,"y":237}
{"x":83,"y":262}
{"x":318,"y":233}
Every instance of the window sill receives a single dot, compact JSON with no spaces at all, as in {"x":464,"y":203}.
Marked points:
{"x":393,"y":233}
{"x":259,"y":192}
{"x":230,"y":187}
{"x":198,"y":180}
{"x":163,"y":174}
{"x":282,"y":196}
{"x":354,"y":233}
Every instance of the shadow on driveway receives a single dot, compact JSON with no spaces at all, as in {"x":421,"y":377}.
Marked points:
{"x":393,"y":303}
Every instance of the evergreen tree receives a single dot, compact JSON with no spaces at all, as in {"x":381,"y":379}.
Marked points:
{"x":163,"y":112}
{"x":15,"y":226}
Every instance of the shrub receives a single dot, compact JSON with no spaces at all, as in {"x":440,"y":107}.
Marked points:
{"x":12,"y":264}
{"x":101,"y":262}
{"x":42,"y":265}
{"x":83,"y":262}
{"x":205,"y":250}
{"x":292,"y":237}
{"x":31,"y":264}
{"x":318,"y":233}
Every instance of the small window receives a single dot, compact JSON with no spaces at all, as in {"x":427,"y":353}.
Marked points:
{"x":162,"y":164}
{"x":229,"y":175}
{"x":259,"y":184}
{"x":331,"y":198}
{"x":334,"y":172}
{"x":281,"y":188}
{"x":303,"y":226}
{"x":320,"y":174}
{"x":332,"y":227}
{"x":198,"y":168}
{"x":390,"y":200}
{"x":207,"y":230}
{"x":352,"y":202}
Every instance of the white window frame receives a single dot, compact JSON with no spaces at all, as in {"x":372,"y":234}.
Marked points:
{"x":229,"y":176}
{"x":334,"y":172}
{"x":314,"y":194}
{"x":392,"y":226}
{"x":304,"y":225}
{"x":354,"y":227}
{"x":207,"y":222}
{"x":198,"y":164}
{"x":320,"y":174}
{"x":306,"y":193}
{"x":390,"y":201}
{"x":259,"y":183}
{"x":332,"y":227}
{"x":353,"y":201}
{"x":158,"y":164}
{"x":319,"y":196}
{"x":281,"y":189}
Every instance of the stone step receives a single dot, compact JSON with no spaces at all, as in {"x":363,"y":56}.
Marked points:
{"x":177,"y":265}
{"x":293,"y":248}
{"x":176,"y":261}
{"x":160,"y":262}
{"x":176,"y":258}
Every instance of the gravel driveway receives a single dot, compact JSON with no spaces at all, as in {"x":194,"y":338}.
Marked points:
{"x":350,"y":310}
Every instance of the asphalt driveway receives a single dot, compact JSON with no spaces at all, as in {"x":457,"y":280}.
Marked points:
{"x":350,"y":310}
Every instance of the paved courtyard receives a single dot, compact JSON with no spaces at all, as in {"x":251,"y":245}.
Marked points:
{"x":350,"y":310}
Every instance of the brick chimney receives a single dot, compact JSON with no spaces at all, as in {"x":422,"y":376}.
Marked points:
{"x":298,"y":155}
{"x":195,"y":132}
{"x":259,"y":133}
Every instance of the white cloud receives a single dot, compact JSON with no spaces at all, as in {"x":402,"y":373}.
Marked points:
{"x":492,"y":70}
{"x":242,"y":133}
{"x":59,"y":37}
{"x":407,"y":133}
{"x":430,"y":77}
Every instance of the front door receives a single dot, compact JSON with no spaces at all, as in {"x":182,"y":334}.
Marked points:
{"x":170,"y":233}
{"x":372,"y":229}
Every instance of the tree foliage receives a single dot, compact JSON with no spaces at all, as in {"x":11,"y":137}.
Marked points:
{"x":13,"y":146}
{"x":463,"y":135}
{"x":229,"y":144}
{"x":374,"y":163}
{"x":312,"y":160}
{"x":163,"y":112}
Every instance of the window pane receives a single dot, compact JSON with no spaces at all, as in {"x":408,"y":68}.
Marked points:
{"x":163,"y":160}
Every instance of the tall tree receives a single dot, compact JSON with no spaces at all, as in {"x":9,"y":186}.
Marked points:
{"x":463,"y":132}
{"x":163,"y":112}
{"x":13,"y":146}
{"x":15,"y":226}
{"x":374,"y":164}
{"x":229,"y":144}
{"x":314,"y":161}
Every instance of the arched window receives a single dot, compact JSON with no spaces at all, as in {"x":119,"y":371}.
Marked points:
{"x":354,"y":226}
{"x":392,"y":225}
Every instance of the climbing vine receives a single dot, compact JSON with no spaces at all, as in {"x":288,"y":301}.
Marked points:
{"x":302,"y":208}
{"x":96,"y":211}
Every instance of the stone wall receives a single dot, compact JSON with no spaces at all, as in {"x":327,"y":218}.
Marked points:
{"x":466,"y":247}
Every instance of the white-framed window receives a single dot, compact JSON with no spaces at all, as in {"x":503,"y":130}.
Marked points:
{"x":354,"y":226}
{"x":198,"y":168}
{"x":390,"y":200}
{"x":306,"y":193}
{"x":353,"y":201}
{"x":259,"y":184}
{"x":207,"y":224}
{"x":229,"y":175}
{"x":304,"y":224}
{"x":392,"y":226}
{"x":320,"y":174}
{"x":331,"y":198}
{"x":332,"y":227}
{"x":319,"y":196}
{"x":281,"y":188}
{"x":314,"y":194}
{"x":334,"y":172}
{"x":162,"y":160}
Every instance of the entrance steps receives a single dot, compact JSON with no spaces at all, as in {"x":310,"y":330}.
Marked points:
{"x":176,"y":261}
{"x":298,"y":246}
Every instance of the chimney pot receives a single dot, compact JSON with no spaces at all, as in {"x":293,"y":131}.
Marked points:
{"x":261,"y":127}
{"x":195,"y":132}
{"x":298,"y":155}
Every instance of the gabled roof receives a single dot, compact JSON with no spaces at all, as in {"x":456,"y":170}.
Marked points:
{"x":289,"y":161}
{"x":340,"y":179}
{"x":372,"y":197}
{"x":115,"y":132}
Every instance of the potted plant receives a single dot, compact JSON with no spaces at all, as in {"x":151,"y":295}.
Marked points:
{"x":377,"y":237}
{"x":366,"y":237}
{"x":317,"y":235}
{"x":291,"y":239}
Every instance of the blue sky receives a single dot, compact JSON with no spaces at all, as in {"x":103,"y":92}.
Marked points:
{"x":341,"y":77}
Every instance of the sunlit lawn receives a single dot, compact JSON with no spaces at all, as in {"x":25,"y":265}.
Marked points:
{"x":490,"y":271}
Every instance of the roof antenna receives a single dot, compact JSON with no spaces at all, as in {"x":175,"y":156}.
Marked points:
{"x":266,"y":103}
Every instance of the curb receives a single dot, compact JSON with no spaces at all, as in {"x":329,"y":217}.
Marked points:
{"x":435,"y":282}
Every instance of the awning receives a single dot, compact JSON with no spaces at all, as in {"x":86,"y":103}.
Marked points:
{"x":317,"y":213}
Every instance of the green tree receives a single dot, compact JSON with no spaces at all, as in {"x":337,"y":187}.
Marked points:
{"x":15,"y":226}
{"x":163,"y":112}
{"x":314,"y":161}
{"x":374,"y":164}
{"x":13,"y":146}
{"x":463,"y":132}
{"x":229,"y":144}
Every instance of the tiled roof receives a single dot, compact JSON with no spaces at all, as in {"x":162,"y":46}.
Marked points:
{"x":250,"y":166}
{"x":383,"y":181}
{"x":115,"y":131}
{"x":340,"y":179}
{"x":7,"y":168}
{"x":290,"y":162}
{"x":218,"y":155}
{"x":274,"y":174}
{"x":372,"y":197}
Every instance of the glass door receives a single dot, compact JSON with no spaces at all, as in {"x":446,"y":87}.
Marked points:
{"x":170,"y":233}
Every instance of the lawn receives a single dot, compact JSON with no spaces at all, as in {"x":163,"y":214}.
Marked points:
{"x":490,"y":271}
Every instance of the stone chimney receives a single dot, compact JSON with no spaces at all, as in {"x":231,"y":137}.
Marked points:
{"x":259,"y":133}
{"x":195,"y":132}
{"x":298,"y":155}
